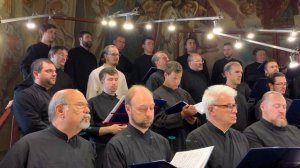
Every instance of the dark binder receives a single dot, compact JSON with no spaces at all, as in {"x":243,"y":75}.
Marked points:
{"x":154,"y":164}
{"x":118,"y":114}
{"x":176,"y":108}
{"x":271,"y":157}
{"x":293,"y":113}
{"x":261,"y":67}
{"x":148,"y":74}
{"x":259,"y":89}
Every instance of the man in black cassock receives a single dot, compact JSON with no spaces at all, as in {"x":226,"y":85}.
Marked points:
{"x":81,"y":62}
{"x":58,"y":145}
{"x":230,"y":146}
{"x":217,"y":76}
{"x":137,"y":143}
{"x":194,"y":79}
{"x":38,"y":50}
{"x":100,"y":107}
{"x":233,"y":72}
{"x":273,"y":129}
{"x":143,"y":63}
{"x":160,"y":60}
{"x":176,"y":125}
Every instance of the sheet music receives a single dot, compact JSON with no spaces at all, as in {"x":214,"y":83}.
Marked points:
{"x":199,"y":107}
{"x":193,"y":158}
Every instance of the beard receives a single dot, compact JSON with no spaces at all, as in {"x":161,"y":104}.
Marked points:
{"x":280,"y":123}
{"x":145,"y":124}
{"x":85,"y":121}
{"x":87,"y":44}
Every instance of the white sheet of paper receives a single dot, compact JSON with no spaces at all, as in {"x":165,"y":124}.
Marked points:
{"x":193,"y":158}
{"x":199,"y":108}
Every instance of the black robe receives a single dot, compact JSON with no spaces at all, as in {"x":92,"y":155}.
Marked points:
{"x":265,"y":134}
{"x":79,"y":65}
{"x":155,"y":80}
{"x":100,"y":107}
{"x":172,"y":126}
{"x":195,"y":82}
{"x":34,"y":52}
{"x":229,"y":148}
{"x":50,"y":148}
{"x":251,"y":73}
{"x":141,"y":66}
{"x":131,"y":146}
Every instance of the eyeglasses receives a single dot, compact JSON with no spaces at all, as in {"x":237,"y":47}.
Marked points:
{"x":228,"y":106}
{"x":114,"y":54}
{"x":281,"y":83}
{"x":198,"y":61}
{"x":79,"y":105}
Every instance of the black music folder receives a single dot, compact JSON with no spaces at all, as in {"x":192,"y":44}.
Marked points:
{"x":118,"y":114}
{"x":293,"y":113}
{"x":154,"y":164}
{"x":176,"y":108}
{"x":148,"y":74}
{"x":271,"y":157}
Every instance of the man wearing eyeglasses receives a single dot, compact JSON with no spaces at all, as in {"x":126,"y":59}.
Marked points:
{"x":30,"y":105}
{"x":94,"y":86}
{"x":58,"y":145}
{"x":137,"y":143}
{"x":277,"y":82}
{"x":194,"y":79}
{"x":273,"y":129}
{"x":230,"y":146}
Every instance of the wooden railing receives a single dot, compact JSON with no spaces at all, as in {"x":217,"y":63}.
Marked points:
{"x":14,"y":133}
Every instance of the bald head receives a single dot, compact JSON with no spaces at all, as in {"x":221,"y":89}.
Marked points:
{"x":62,"y":97}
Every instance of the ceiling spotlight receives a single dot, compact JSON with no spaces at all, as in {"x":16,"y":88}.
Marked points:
{"x":112,"y":23}
{"x":210,"y":36}
{"x":250,"y":35}
{"x":172,"y":27}
{"x":148,"y":26}
{"x":217,"y":29}
{"x":293,"y":33}
{"x":291,"y":38}
{"x":293,"y":62}
{"x":104,"y":22}
{"x":238,"y":44}
{"x":128,"y":25}
{"x":30,"y":24}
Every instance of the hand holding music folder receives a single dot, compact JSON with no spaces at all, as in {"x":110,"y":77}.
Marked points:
{"x":176,"y":108}
{"x":293,"y":113}
{"x":188,"y":159}
{"x":271,"y":157}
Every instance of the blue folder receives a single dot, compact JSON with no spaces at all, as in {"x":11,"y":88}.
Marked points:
{"x":293,"y":113}
{"x":271,"y":157}
{"x":260,"y":87}
{"x":148,"y":74}
{"x":176,"y":108}
{"x":154,"y":164}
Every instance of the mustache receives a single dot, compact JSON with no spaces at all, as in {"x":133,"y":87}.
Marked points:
{"x":86,"y":118}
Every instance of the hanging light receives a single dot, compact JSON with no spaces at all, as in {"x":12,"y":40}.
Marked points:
{"x":171,"y":27}
{"x":291,"y":39}
{"x":104,"y":22}
{"x":217,"y":29}
{"x":293,"y":62}
{"x":30,"y":24}
{"x":210,"y":36}
{"x":238,"y":44}
{"x":250,"y":35}
{"x":148,"y":26}
{"x":112,"y":22}
{"x":128,"y":25}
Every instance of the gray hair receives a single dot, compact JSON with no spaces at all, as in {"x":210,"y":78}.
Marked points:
{"x":267,"y":95}
{"x":57,"y":99}
{"x":227,"y":67}
{"x":212,"y":94}
{"x":156,"y":56}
